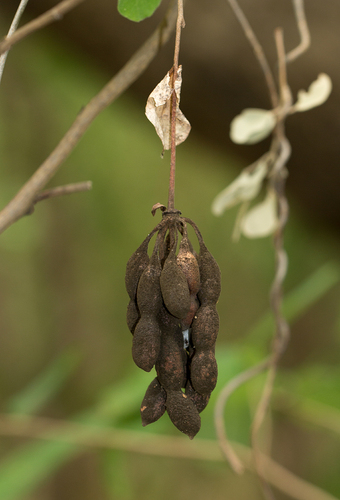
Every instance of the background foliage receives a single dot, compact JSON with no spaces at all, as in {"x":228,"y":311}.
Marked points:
{"x":65,"y":348}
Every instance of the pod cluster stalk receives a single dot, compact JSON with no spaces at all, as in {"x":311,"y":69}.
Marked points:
{"x":173,"y":318}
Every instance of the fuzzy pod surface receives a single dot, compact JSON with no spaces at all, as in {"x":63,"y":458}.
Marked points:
{"x":146,"y":342}
{"x":175,"y":289}
{"x":153,"y":404}
{"x":199,"y":400}
{"x":183,"y":413}
{"x":203,"y":372}
{"x":210,"y":277}
{"x":189,"y":265}
{"x":205,"y":327}
{"x":132,"y":316}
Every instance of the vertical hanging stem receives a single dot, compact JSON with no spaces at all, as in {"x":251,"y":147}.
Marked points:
{"x":179,"y":26}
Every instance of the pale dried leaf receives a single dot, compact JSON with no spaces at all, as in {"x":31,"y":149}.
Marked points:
{"x":158,"y":108}
{"x":244,"y":188}
{"x":316,"y":95}
{"x":262,"y":219}
{"x":252,"y":125}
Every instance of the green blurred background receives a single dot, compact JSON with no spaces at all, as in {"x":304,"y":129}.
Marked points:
{"x":65,"y":350}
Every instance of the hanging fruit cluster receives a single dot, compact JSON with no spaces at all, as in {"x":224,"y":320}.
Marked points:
{"x":172,"y":316}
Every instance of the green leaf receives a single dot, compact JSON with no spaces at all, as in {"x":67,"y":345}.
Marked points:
{"x":137,"y":10}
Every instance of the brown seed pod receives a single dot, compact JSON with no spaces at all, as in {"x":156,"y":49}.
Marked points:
{"x":172,"y":359}
{"x":210,"y":277}
{"x":175,"y":289}
{"x":153,"y":404}
{"x":183,"y":413}
{"x":203,"y":372}
{"x":205,"y":328}
{"x":199,"y":400}
{"x":138,"y":261}
{"x":132,"y":315}
{"x":188,"y":264}
{"x":146,"y":342}
{"x":149,"y":297}
{"x":194,"y":306}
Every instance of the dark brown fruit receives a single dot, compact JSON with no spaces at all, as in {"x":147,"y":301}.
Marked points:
{"x":153,"y":404}
{"x":175,"y":289}
{"x":183,"y":413}
{"x":149,"y":297}
{"x":132,"y":315}
{"x":146,"y":342}
{"x":135,"y":267}
{"x":189,"y":265}
{"x":205,"y":327}
{"x":199,"y":400}
{"x":194,"y":306}
{"x":203,"y":372}
{"x":210,"y":277}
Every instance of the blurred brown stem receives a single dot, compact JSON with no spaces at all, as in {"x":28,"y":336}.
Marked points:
{"x":54,"y":14}
{"x":24,"y":199}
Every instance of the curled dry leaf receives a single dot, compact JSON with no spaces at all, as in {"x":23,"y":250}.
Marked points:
{"x":252,"y":125}
{"x":244,"y":188}
{"x":158,"y":109}
{"x":262,"y":219}
{"x":316,"y":95}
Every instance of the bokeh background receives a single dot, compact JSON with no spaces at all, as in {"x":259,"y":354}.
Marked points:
{"x":65,"y":350}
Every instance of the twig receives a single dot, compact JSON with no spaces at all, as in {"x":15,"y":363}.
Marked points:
{"x":23,"y":200}
{"x":179,"y":25}
{"x":12,"y":29}
{"x":147,"y":443}
{"x":221,"y":402}
{"x":61,"y":191}
{"x":259,"y":53}
{"x":54,"y":14}
{"x":303,"y":30}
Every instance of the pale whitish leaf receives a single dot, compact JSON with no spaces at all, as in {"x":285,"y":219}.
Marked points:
{"x":262,"y":219}
{"x":317,"y":94}
{"x":252,"y":125}
{"x":158,"y":108}
{"x":245,"y":187}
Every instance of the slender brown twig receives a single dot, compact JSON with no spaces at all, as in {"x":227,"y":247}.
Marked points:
{"x":77,"y":187}
{"x":155,"y":445}
{"x":23,"y":200}
{"x":179,"y":25}
{"x":12,"y":29}
{"x":52,"y":15}
{"x":302,"y":24}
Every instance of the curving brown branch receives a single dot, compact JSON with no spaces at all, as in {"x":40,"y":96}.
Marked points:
{"x":52,"y":15}
{"x":24,"y":199}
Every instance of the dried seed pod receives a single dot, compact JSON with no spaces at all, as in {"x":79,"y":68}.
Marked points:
{"x":194,"y":306}
{"x":138,"y":261}
{"x":205,"y":328}
{"x":210,"y":277}
{"x":172,"y":360}
{"x":153,"y":404}
{"x":146,"y":342}
{"x":188,"y":264}
{"x":149,"y":297}
{"x":132,"y":315}
{"x":183,"y":413}
{"x":199,"y":400}
{"x":175,"y":289}
{"x":203,"y":372}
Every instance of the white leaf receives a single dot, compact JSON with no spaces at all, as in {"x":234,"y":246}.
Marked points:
{"x":317,"y":94}
{"x":252,"y":125}
{"x":245,"y":187}
{"x":158,"y":108}
{"x":262,"y":219}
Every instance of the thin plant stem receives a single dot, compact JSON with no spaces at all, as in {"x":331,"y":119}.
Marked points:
{"x":12,"y":29}
{"x":54,"y":14}
{"x":179,"y":26}
{"x":258,"y":50}
{"x":302,"y":24}
{"x":24,"y":199}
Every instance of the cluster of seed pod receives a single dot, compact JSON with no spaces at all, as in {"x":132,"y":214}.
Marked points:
{"x":172,"y":316}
